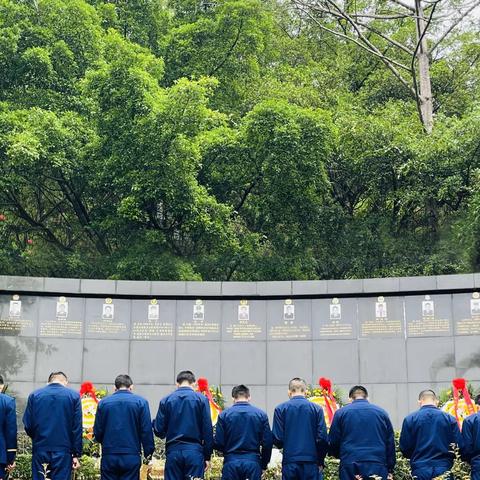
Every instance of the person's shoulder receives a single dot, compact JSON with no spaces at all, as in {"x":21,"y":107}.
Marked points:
{"x":283,"y":406}
{"x":378,"y":409}
{"x":71,"y":393}
{"x":6,"y":399}
{"x":259,"y":411}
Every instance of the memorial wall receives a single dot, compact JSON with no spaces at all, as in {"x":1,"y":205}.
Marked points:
{"x":396,"y":336}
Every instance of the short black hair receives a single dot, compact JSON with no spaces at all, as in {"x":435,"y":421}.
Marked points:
{"x":54,"y":375}
{"x":123,"y":381}
{"x":297,"y":384}
{"x":186,"y":376}
{"x":427,"y":393}
{"x":477,"y":399}
{"x":240,"y":391}
{"x":2,"y":381}
{"x":356,"y":390}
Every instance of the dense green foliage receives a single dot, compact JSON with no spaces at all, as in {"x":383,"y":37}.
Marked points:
{"x":188,"y":139}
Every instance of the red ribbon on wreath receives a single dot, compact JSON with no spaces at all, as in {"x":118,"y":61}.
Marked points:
{"x":205,"y":389}
{"x":460,"y":384}
{"x":330,"y":403}
{"x":87,"y":388}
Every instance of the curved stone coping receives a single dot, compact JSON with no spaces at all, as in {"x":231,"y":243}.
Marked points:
{"x":314,"y":288}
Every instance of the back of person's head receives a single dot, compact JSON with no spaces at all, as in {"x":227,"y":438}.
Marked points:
{"x":240,"y":392}
{"x":186,"y":376}
{"x":123,"y":381}
{"x":297,"y":386}
{"x":427,"y":397}
{"x":58,"y":377}
{"x":358,"y":392}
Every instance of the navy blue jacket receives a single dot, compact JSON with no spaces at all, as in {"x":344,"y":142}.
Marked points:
{"x":362,"y":432}
{"x":183,"y":418}
{"x":243,"y":431}
{"x":299,"y":428}
{"x":428,"y":438}
{"x":123,"y":424}
{"x":470,"y":446}
{"x":8,"y":430}
{"x":53,"y":420}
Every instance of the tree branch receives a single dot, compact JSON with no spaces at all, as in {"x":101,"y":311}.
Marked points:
{"x":453,"y":26}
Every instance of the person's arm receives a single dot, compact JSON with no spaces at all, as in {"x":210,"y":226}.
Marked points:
{"x":77,"y":428}
{"x":160,"y":422}
{"x":219,"y":436}
{"x":321,"y":437}
{"x":11,"y":437}
{"x":278,"y":428}
{"x":390,"y":445}
{"x":98,"y":429}
{"x":28,"y":418}
{"x":147,"y":433}
{"x":207,"y":430}
{"x":335,"y":435}
{"x":267,"y":443}
{"x":467,"y":445}
{"x":406,"y":444}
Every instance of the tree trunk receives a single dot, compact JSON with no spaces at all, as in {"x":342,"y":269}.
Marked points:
{"x":425,"y":86}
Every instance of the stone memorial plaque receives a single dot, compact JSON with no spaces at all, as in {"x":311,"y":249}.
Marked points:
{"x":466,"y":312}
{"x":103,"y":360}
{"x":59,"y":354}
{"x":334,"y":318}
{"x":289,"y":320}
{"x":61,"y":317}
{"x":107,"y":318}
{"x":18,"y":315}
{"x":198,"y":320}
{"x":17,"y":358}
{"x":244,"y":320}
{"x":381,"y":317}
{"x":429,"y":315}
{"x":153,"y":320}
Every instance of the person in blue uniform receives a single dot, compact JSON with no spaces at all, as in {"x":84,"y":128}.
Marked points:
{"x":183,"y":419}
{"x":123,"y":426}
{"x":428,"y":438}
{"x":53,"y":420}
{"x":361,"y":436}
{"x":8,"y":432}
{"x":299,"y":429}
{"x":470,"y":445}
{"x":244,"y":437}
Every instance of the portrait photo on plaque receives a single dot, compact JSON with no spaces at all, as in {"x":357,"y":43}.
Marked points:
{"x":335,"y":311}
{"x":199,"y":311}
{"x":289,"y":311}
{"x":153,"y":311}
{"x":15,"y":308}
{"x":107,"y":311}
{"x":381,"y":309}
{"x":428,"y":309}
{"x":475,"y":306}
{"x":244,"y":312}
{"x":62,"y":309}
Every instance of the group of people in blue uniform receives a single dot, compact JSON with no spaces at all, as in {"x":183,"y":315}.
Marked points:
{"x":361,"y":434}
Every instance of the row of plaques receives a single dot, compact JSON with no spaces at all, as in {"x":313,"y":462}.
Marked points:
{"x":437,"y":315}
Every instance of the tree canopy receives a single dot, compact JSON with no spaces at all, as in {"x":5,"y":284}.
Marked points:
{"x":232,"y":140}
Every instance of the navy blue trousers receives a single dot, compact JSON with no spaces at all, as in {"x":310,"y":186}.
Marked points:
{"x":120,"y":467}
{"x":350,"y":471}
{"x":475,"y":474}
{"x":241,"y":470}
{"x":301,"y":471}
{"x":428,"y":473}
{"x":184,"y":464}
{"x":2,"y":471}
{"x":59,"y":465}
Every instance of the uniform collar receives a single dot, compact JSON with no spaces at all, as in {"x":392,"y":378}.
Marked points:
{"x":122,"y":391}
{"x":428,"y":406}
{"x":361,"y":400}
{"x":55,"y":384}
{"x":241,"y":403}
{"x":298,"y":397}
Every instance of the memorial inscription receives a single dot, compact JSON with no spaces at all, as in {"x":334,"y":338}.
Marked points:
{"x":428,"y":316}
{"x":467,"y":314}
{"x":381,"y":318}
{"x":17,"y":316}
{"x":61,"y":317}
{"x":334,"y":318}
{"x":243,"y":321}
{"x":290,"y":321}
{"x":203,"y":321}
{"x":154,"y":320}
